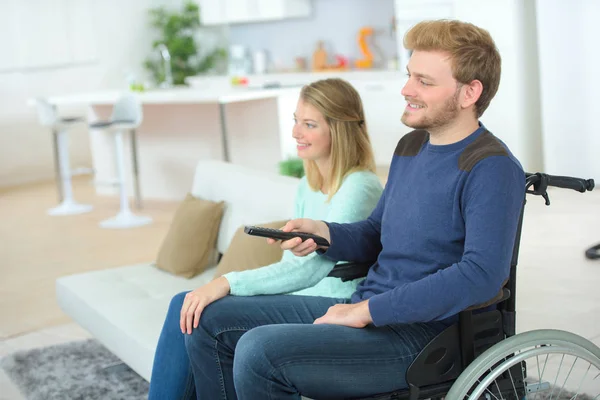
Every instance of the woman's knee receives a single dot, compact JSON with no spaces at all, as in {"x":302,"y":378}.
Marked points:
{"x":220,"y":315}
{"x":177,"y":302}
{"x":174,"y":311}
{"x":215,"y":318}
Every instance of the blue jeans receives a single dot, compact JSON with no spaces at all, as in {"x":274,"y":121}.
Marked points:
{"x":266,"y":347}
{"x":171,"y":373}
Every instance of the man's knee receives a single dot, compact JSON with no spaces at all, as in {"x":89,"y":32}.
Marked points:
{"x":257,"y":352}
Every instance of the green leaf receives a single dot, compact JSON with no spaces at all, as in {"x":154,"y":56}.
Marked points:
{"x":292,"y":167}
{"x":177,"y":30}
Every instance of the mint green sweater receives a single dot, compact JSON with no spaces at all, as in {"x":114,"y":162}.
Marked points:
{"x":354,"y":201}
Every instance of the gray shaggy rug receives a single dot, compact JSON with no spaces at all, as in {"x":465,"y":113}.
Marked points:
{"x":86,"y":370}
{"x":82,"y":370}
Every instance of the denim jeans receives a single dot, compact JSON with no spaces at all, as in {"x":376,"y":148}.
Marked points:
{"x":171,"y":373}
{"x":266,"y":347}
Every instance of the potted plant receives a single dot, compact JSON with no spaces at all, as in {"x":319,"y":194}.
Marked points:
{"x":292,"y":167}
{"x":177,"y":32}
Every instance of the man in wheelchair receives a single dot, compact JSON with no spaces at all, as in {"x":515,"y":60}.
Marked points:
{"x":442,"y":238}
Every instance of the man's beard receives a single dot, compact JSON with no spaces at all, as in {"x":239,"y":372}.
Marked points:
{"x":448,"y":113}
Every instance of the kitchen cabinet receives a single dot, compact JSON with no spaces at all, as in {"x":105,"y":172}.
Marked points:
{"x":212,"y":12}
{"x":246,"y":11}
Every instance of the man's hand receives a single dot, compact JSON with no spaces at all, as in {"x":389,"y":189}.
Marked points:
{"x":352,"y":315}
{"x":296,"y":245}
{"x":196,"y":300}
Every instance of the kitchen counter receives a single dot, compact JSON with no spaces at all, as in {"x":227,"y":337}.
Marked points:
{"x":177,"y":95}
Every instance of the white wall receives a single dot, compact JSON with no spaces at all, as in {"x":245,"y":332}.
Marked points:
{"x":514,"y":114}
{"x":568,"y":35}
{"x":122,"y":41}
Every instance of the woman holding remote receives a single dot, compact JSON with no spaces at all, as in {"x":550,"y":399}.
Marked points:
{"x":340,"y":185}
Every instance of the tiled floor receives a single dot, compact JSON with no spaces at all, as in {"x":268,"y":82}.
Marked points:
{"x":557,"y":286}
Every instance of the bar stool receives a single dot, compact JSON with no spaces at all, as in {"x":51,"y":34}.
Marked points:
{"x":48,"y":116}
{"x":126,"y":117}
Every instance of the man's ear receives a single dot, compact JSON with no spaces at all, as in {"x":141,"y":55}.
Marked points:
{"x":471,"y":93}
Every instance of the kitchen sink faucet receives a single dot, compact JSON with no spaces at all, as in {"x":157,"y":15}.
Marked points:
{"x":166,"y":57}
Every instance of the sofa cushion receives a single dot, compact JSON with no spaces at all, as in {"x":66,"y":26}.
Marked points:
{"x":190,"y":244}
{"x":249,"y":252}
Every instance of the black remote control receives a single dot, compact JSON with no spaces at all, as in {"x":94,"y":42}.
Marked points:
{"x":281,"y":235}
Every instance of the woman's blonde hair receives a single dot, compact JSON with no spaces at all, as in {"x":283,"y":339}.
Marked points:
{"x":351,"y":149}
{"x":472,"y":50}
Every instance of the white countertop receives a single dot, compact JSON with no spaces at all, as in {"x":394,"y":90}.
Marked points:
{"x":183,"y":95}
{"x":218,"y":89}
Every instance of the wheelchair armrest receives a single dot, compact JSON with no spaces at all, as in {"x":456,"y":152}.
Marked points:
{"x":503,"y":294}
{"x":350,"y":271}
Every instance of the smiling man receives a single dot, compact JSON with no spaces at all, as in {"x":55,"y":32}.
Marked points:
{"x":440,"y":239}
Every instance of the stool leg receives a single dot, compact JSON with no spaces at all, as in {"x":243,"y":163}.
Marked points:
{"x":120,"y":155}
{"x":68,"y":206}
{"x":57,"y":174}
{"x":136,"y":169}
{"x":125,"y":218}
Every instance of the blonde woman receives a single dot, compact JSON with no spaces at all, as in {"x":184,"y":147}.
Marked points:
{"x":340,"y":185}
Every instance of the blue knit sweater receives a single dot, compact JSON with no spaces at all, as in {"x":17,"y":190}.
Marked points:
{"x":442,"y":233}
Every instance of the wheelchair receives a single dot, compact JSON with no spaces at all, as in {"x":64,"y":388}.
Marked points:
{"x":480,"y":357}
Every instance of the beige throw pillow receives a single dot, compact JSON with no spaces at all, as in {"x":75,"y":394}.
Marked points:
{"x":249,"y":252}
{"x":190,"y":244}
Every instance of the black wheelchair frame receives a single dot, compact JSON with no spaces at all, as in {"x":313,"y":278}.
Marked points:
{"x":442,"y":360}
{"x":593,"y":253}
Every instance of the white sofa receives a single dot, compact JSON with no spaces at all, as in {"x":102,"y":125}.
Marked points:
{"x":124,"y":308}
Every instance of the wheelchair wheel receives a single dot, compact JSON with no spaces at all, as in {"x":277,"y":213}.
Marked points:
{"x":541,"y":364}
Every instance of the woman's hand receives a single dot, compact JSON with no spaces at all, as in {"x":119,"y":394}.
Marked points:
{"x":196,"y":300}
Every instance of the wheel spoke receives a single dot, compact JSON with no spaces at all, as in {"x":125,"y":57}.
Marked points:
{"x":488,"y":390}
{"x":512,"y":381}
{"x":582,"y":380}
{"x":567,"y":378}
{"x":556,"y":377}
{"x":539,"y":374}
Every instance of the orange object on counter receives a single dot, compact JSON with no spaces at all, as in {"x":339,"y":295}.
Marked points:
{"x":319,"y":60}
{"x":367,"y":61}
